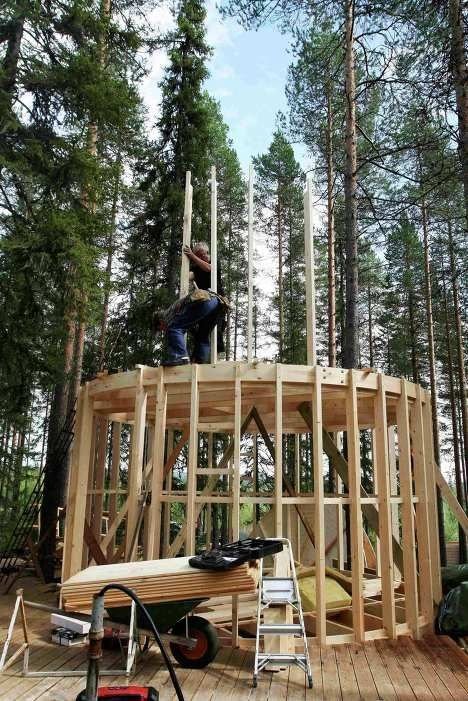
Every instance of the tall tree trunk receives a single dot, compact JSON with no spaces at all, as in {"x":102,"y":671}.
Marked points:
{"x":9,"y":65}
{"x":110,"y":256}
{"x":370,"y":325}
{"x":432,"y":370}
{"x":460,"y":79}
{"x":331,"y":238}
{"x":351,"y":345}
{"x":459,"y":482}
{"x":57,"y":465}
{"x":414,"y":354}
{"x":341,"y":296}
{"x":460,"y":353}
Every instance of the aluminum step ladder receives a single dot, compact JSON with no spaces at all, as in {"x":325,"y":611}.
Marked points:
{"x":280,"y":591}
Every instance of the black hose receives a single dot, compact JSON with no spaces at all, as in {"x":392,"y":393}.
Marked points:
{"x":168,"y":662}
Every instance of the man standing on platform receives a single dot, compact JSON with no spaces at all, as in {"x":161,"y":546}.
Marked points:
{"x":197,"y":312}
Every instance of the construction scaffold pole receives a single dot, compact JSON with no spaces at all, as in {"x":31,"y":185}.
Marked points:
{"x":250,"y":266}
{"x":214,"y":253}
{"x":310,"y":274}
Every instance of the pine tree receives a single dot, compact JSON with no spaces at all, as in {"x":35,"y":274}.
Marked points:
{"x":279,"y":199}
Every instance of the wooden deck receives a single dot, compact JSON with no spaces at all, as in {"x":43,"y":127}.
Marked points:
{"x":431,"y":669}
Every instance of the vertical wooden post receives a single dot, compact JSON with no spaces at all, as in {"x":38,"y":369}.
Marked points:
{"x":236,"y":491}
{"x":77,"y":492}
{"x":354,"y":472}
{"x":136,"y":467}
{"x":319,"y":516}
{"x":279,"y":453}
{"x":310,"y":274}
{"x":167,"y":505}
{"x":431,"y":467}
{"x":423,"y":527}
{"x":376,"y":491}
{"x":407,"y":511}
{"x":250,"y":265}
{"x":192,"y":465}
{"x":208,"y":507}
{"x":187,"y":236}
{"x":236,"y":463}
{"x":214,"y":253}
{"x":297,"y":484}
{"x":114,"y":481}
{"x":100,"y":474}
{"x":154,"y":515}
{"x":385,"y":514}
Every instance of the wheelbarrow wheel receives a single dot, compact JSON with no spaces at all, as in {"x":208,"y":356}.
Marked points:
{"x":206,"y":647}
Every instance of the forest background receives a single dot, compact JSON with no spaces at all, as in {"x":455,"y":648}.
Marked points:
{"x":92,"y":168}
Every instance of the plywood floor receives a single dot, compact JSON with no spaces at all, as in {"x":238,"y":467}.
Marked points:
{"x":433,"y":669}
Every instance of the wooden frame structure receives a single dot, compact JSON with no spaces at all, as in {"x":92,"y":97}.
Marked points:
{"x":135,"y":429}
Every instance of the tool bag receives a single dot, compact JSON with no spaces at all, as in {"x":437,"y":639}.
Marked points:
{"x":452,"y":618}
{"x":230,"y":555}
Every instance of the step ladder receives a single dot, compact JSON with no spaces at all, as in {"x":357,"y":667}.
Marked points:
{"x":280,"y":591}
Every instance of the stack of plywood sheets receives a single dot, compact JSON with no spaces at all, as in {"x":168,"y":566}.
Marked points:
{"x":155,"y":581}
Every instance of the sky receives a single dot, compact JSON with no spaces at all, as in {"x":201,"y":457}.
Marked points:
{"x":248,"y":73}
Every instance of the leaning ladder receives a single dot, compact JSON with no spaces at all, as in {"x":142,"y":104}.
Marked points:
{"x":280,"y":591}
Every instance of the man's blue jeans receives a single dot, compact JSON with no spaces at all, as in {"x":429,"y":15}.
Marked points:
{"x":203,"y":316}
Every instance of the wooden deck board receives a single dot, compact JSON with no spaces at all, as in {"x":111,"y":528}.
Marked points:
{"x":405,"y":670}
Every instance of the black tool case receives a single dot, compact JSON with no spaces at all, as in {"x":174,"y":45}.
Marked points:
{"x":230,"y":555}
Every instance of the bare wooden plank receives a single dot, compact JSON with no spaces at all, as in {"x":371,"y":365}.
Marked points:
{"x":155,"y":511}
{"x":422,"y":515}
{"x":186,"y":236}
{"x":319,"y":519}
{"x":385,"y":516}
{"x":279,"y":454}
{"x":380,"y":674}
{"x":431,"y":467}
{"x":407,"y":513}
{"x":114,"y":479}
{"x":192,"y":464}
{"x":354,"y":471}
{"x":76,"y":504}
{"x":348,"y":683}
{"x":310,"y":274}
{"x":136,"y":468}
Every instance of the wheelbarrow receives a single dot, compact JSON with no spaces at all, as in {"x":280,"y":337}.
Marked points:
{"x":195,"y":642}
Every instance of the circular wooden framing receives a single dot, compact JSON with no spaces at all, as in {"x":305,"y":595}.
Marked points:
{"x":236,"y":399}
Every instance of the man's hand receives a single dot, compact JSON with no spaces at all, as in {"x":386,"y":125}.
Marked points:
{"x":188,"y":251}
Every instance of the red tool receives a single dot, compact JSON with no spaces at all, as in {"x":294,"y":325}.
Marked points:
{"x":126,"y":693}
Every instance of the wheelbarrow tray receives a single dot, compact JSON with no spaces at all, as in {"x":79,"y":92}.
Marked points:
{"x":165,"y":614}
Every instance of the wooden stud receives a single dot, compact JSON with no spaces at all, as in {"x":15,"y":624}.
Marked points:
{"x":214,"y":253}
{"x":385,"y":515}
{"x":168,"y":488}
{"x":136,"y":468}
{"x":354,"y":467}
{"x":431,"y":467}
{"x":250,"y":256}
{"x":208,"y":512}
{"x":154,"y":523}
{"x":114,"y":479}
{"x":319,"y":516}
{"x":297,"y":476}
{"x":423,"y":526}
{"x":407,"y":513}
{"x":192,"y":465}
{"x":186,"y":236}
{"x":237,"y":456}
{"x":310,"y":274}
{"x":279,"y":454}
{"x":99,"y":475}
{"x":76,"y":503}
